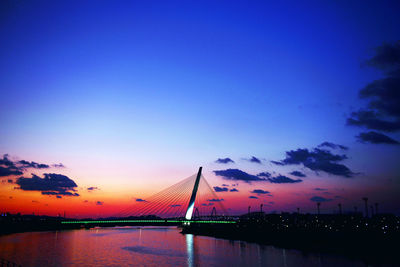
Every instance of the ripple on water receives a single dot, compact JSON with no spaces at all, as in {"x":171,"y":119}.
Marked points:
{"x":155,"y":251}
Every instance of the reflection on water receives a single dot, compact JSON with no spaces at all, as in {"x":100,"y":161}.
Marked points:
{"x":189,"y":249}
{"x":149,"y":246}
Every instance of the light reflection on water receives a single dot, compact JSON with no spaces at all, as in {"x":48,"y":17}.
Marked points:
{"x":149,"y":246}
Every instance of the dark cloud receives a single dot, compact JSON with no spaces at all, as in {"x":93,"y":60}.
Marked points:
{"x":371,"y":119}
{"x":298,"y":174}
{"x":7,"y":171}
{"x":320,"y":199}
{"x":281,"y":179}
{"x":332,"y":145}
{"x":320,"y":189}
{"x":100,"y":203}
{"x":236,"y":174}
{"x":58,"y":196}
{"x":233,"y":190}
{"x":92,"y":188}
{"x":51,"y":184}
{"x":175,"y":205}
{"x":10,"y":181}
{"x":387,"y":57}
{"x":224,"y":161}
{"x":375,"y":138}
{"x":140,"y":200}
{"x":9,"y":167}
{"x":277,"y":163}
{"x":260,"y":192}
{"x":383,"y":95}
{"x":317,"y":160}
{"x":59,"y":165}
{"x":224,"y":185}
{"x":32,"y":164}
{"x":207,"y":204}
{"x":220,"y":189}
{"x":254,"y":160}
{"x":264,"y":174}
{"x":60,"y":193}
{"x":253,"y":197}
{"x":215,"y":199}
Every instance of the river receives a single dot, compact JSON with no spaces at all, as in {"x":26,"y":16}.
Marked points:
{"x":150,"y":246}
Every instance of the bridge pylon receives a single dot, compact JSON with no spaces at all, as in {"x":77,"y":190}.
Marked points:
{"x":189,"y":211}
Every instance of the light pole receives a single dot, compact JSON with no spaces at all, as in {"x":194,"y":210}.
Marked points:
{"x":366,"y":206}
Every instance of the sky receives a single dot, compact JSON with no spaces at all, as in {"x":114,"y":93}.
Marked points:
{"x":107,"y":102}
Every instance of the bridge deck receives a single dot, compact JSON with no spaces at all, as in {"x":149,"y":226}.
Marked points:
{"x":143,"y":221}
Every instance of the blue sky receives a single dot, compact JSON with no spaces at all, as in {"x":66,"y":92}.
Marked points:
{"x":172,"y":85}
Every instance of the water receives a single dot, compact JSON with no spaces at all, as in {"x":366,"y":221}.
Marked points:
{"x":149,"y":246}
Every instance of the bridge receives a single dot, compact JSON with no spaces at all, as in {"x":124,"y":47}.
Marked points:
{"x":171,"y":206}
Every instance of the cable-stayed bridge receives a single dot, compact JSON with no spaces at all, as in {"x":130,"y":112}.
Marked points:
{"x":191,"y":200}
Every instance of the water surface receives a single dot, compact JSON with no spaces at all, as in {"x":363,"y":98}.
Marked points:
{"x":149,"y":246}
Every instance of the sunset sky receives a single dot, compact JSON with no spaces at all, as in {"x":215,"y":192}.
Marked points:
{"x":103,"y":103}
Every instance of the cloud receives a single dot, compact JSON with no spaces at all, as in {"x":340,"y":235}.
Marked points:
{"x":236,"y":174}
{"x":215,"y":199}
{"x":174,"y":205}
{"x":254,"y":197}
{"x":333,"y":146}
{"x":264,"y":174}
{"x":51,"y":184}
{"x":224,"y":161}
{"x":371,"y":119}
{"x":298,"y":174}
{"x":320,"y":199}
{"x":32,"y":164}
{"x":59,"y":165}
{"x":383,"y":109}
{"x":60,"y":193}
{"x":281,"y":179}
{"x":376,"y":138}
{"x":320,"y":189}
{"x":58,"y":196}
{"x":207,"y":204}
{"x":220,"y":189}
{"x":233,"y":190}
{"x":277,"y":163}
{"x":92,"y":188}
{"x":9,"y":167}
{"x":260,"y":192}
{"x":387,"y":57}
{"x":100,"y":203}
{"x":224,"y":185}
{"x":317,"y":160}
{"x":7,"y":171}
{"x":254,"y":160}
{"x":140,"y":200}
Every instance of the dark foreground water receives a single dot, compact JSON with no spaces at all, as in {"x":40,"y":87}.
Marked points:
{"x":149,"y":246}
